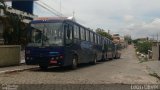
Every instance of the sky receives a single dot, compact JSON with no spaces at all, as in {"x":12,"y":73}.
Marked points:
{"x":138,"y":18}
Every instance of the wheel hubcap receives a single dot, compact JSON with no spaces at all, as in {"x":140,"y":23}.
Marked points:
{"x":74,"y":62}
{"x":95,"y":60}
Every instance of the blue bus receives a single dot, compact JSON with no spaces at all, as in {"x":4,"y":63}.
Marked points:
{"x":62,"y":42}
{"x":109,"y":49}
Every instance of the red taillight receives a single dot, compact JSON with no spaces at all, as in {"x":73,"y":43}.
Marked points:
{"x":61,"y":57}
{"x":52,"y":61}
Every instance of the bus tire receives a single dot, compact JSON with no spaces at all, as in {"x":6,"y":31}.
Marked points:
{"x":118,"y":56}
{"x":115,"y":57}
{"x":103,"y":58}
{"x":74,"y":62}
{"x":94,"y":61}
{"x":111,"y":58}
{"x":43,"y":67}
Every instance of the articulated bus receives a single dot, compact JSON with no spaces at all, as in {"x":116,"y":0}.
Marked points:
{"x":63,"y":42}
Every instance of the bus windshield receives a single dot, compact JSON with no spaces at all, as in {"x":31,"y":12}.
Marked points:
{"x":46,"y":34}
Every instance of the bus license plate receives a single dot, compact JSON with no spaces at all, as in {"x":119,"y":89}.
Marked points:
{"x":54,"y":62}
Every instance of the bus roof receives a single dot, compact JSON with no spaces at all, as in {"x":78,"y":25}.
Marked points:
{"x":51,"y":19}
{"x":54,"y":19}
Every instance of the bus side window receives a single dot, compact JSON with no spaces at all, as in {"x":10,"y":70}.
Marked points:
{"x":87,"y":35}
{"x":107,"y":44}
{"x":70,"y":32}
{"x":82,"y":30}
{"x":76,"y":31}
{"x":95,"y":38}
{"x":91,"y":37}
{"x":79,"y":28}
{"x":98,"y":40}
{"x":102,"y":41}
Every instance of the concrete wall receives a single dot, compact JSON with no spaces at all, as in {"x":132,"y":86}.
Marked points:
{"x":9,"y":55}
{"x":155,"y":51}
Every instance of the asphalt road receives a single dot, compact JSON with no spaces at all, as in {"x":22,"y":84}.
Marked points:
{"x":126,"y":70}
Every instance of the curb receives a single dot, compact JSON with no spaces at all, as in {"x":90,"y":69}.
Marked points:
{"x":16,"y":70}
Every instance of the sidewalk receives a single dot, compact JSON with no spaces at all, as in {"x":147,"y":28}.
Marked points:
{"x":17,"y":68}
{"x":153,"y":67}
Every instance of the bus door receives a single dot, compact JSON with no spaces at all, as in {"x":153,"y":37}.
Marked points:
{"x":68,"y":42}
{"x":68,"y":29}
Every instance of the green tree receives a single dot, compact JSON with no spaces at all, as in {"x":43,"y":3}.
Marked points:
{"x":104,"y":33}
{"x":135,"y":41}
{"x":128,"y":39}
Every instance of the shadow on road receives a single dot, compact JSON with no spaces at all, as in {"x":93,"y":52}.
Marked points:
{"x":68,"y":69}
{"x":64,"y":69}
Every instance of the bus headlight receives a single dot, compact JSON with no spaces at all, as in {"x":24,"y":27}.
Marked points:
{"x":52,"y":58}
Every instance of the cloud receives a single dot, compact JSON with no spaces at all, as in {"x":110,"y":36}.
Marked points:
{"x":135,"y":17}
{"x":128,"y":18}
{"x":143,"y":29}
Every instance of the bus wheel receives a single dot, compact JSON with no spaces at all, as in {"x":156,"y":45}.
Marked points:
{"x":74,"y":62}
{"x":111,"y":58}
{"x":115,"y":57}
{"x":43,"y":67}
{"x":94,"y":61}
{"x":119,"y":57}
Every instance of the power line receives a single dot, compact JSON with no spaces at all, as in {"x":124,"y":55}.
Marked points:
{"x":51,"y":8}
{"x":54,"y":11}
{"x":47,"y":8}
{"x":61,"y":8}
{"x":39,"y":10}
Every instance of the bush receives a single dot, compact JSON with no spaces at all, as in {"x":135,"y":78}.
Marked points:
{"x":143,"y":47}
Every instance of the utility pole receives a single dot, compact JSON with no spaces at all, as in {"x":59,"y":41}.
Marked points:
{"x":73,"y":14}
{"x":157,"y":37}
{"x":60,"y":7}
{"x":157,"y":40}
